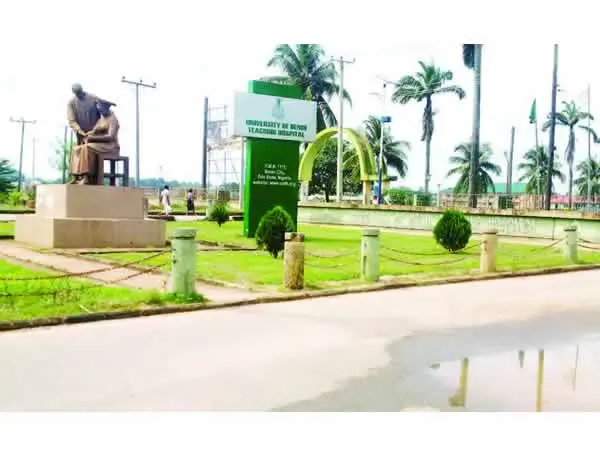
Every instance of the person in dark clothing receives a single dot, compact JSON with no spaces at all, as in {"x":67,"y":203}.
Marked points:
{"x":190,"y":207}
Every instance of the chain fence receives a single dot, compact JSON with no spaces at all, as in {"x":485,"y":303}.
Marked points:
{"x":60,"y":286}
{"x":322,"y":258}
{"x":535,"y":251}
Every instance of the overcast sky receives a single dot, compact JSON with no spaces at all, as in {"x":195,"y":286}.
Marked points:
{"x":191,"y":52}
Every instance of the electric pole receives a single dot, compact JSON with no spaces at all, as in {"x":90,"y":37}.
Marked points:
{"x":137,"y":85}
{"x":34,"y":140}
{"x":340,"y":151}
{"x":22,"y":122}
{"x":552,"y":131}
{"x":589,"y":125}
{"x":510,"y":162}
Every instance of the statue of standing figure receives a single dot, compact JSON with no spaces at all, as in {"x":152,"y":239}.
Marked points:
{"x":96,"y":128}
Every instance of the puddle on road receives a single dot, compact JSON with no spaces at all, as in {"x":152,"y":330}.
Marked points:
{"x":564,"y":378}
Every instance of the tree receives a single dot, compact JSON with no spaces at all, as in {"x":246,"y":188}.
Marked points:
{"x":305,"y":65}
{"x":589,"y":172}
{"x":8,"y":176}
{"x":462,"y":162}
{"x":569,"y":117}
{"x":472,"y":60}
{"x":394,"y":152}
{"x":422,"y":86}
{"x":534,"y":170}
{"x":324,"y":173}
{"x":61,"y":158}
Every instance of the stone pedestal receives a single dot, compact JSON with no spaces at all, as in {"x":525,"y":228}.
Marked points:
{"x":89,"y":216}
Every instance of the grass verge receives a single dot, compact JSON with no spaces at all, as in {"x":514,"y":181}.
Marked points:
{"x":27,"y":294}
{"x":333,"y":257}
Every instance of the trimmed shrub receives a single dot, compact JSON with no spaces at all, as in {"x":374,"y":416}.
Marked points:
{"x":219,"y":213}
{"x":452,"y":231}
{"x":270,"y":234}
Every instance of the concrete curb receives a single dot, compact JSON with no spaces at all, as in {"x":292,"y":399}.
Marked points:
{"x":117,"y":315}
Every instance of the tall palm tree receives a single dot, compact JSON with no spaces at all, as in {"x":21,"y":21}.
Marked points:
{"x":462,"y":162}
{"x":589,"y":172}
{"x":305,"y":65}
{"x":395,"y":153}
{"x":534,"y":170}
{"x":472,"y":60}
{"x":569,"y":117}
{"x":422,"y":86}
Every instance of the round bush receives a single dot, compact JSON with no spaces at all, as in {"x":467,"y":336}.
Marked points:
{"x":270,"y":234}
{"x":219,"y":213}
{"x":452,"y":231}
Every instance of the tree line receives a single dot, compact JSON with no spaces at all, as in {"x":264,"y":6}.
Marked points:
{"x":307,"y":66}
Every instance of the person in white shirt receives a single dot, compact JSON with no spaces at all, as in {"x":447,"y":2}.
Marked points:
{"x":165,"y":199}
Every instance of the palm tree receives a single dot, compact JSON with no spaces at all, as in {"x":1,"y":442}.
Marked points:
{"x":589,"y":172}
{"x":463,"y":161}
{"x":422,"y":86}
{"x":472,"y":60}
{"x":534,"y":170}
{"x":394,"y":152}
{"x":305,"y":65}
{"x":570,"y":116}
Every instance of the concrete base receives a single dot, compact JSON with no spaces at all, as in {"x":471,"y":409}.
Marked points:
{"x":54,"y":232}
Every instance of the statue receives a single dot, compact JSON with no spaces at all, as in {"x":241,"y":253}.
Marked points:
{"x":84,"y":116}
{"x":100,"y":142}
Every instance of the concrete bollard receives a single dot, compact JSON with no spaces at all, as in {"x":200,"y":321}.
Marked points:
{"x":183,"y":271}
{"x":489,"y":247}
{"x":369,"y":255}
{"x":570,"y":248}
{"x":293,"y":261}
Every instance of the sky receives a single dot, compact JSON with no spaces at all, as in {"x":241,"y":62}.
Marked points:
{"x":192,"y":54}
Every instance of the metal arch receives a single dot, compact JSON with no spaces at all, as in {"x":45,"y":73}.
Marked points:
{"x":366,"y":158}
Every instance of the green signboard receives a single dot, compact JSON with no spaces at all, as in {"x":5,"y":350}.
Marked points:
{"x":271,"y":176}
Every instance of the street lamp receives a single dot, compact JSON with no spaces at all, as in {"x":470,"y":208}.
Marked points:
{"x":382,"y":121}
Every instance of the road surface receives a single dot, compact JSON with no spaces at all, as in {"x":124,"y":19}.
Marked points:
{"x":327,"y":354}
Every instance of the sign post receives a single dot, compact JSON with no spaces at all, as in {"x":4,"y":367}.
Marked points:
{"x":275,"y":120}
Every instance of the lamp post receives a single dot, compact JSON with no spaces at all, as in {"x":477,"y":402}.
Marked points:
{"x":383,"y":119}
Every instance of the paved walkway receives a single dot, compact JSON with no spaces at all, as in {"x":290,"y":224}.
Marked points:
{"x":335,"y":353}
{"x":151,"y":280}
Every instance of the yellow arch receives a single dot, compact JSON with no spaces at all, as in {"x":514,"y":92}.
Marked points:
{"x":366,"y":158}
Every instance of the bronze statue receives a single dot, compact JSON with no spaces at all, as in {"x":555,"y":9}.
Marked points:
{"x":84,"y":117}
{"x":100,"y":142}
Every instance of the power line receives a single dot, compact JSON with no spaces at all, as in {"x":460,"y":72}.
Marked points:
{"x":22,"y":122}
{"x":137,"y":85}
{"x":340,"y":151}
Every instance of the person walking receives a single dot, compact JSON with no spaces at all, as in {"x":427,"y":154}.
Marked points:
{"x":165,"y":199}
{"x":190,"y":206}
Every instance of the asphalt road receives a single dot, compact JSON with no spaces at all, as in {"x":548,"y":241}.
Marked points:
{"x":363,"y":352}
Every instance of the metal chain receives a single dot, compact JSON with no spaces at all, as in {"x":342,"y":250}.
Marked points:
{"x":86,"y":287}
{"x":334,"y":256}
{"x":416,"y":263}
{"x":85,"y":273}
{"x":406,"y":252}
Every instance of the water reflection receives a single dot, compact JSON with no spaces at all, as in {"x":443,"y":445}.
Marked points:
{"x":496,"y":386}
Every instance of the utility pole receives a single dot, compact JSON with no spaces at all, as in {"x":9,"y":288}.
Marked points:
{"x":22,"y":122}
{"x":33,"y":160}
{"x":510,"y":162}
{"x":205,"y":151}
{"x":552,"y":130}
{"x":589,"y":125}
{"x":340,"y":151}
{"x":137,"y":85}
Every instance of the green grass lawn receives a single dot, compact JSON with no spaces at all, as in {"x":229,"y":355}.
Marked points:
{"x":24,"y":299}
{"x":333,"y":257}
{"x":7,"y":228}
